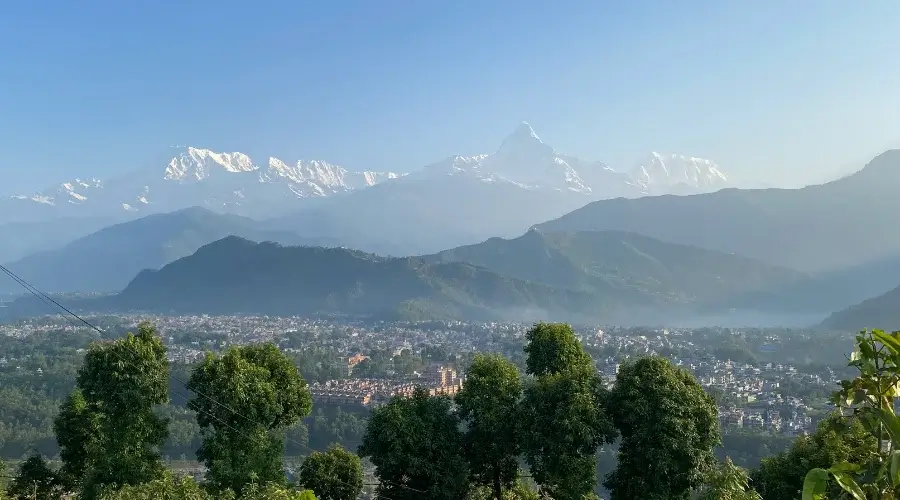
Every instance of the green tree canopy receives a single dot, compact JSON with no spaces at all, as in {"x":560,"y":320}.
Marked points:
{"x":562,"y":413}
{"x":273,"y":491}
{"x":780,"y":477}
{"x":35,"y":480}
{"x":553,"y":348}
{"x":487,"y":404}
{"x":76,"y":428}
{"x":416,"y":446}
{"x":121,"y":383}
{"x":246,"y":400}
{"x":726,"y":481}
{"x":564,"y":424}
{"x":668,"y":427}
{"x":168,"y":487}
{"x":335,"y":474}
{"x":518,"y":491}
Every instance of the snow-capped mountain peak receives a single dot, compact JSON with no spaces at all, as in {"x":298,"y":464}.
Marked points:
{"x":676,"y":173}
{"x":196,"y":164}
{"x":235,"y":183}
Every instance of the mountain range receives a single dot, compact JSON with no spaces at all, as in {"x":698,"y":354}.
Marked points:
{"x":605,"y":277}
{"x":105,"y":261}
{"x":470,"y":230}
{"x":469,"y":198}
{"x":821,"y":228}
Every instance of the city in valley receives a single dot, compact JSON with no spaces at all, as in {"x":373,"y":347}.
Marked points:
{"x":770,"y":385}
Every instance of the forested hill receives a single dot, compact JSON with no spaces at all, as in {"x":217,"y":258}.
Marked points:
{"x":625,"y":265}
{"x":234,"y":275}
{"x":596,"y":277}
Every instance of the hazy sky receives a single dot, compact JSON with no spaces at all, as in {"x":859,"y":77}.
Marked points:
{"x":773,"y":90}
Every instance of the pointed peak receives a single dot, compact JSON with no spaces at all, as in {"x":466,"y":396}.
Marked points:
{"x":524,"y":131}
{"x":524,"y":140}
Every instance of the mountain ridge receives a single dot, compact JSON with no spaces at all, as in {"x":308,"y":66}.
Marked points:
{"x":105,"y":260}
{"x":818,"y":228}
{"x":592,"y":281}
{"x":234,"y":180}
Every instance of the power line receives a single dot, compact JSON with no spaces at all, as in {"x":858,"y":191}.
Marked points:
{"x":47,"y":300}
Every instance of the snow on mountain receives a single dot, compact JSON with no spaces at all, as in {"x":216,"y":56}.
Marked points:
{"x":661,"y":174}
{"x":226,"y":182}
{"x":235,"y":183}
{"x":196,"y":164}
{"x":525,"y":160}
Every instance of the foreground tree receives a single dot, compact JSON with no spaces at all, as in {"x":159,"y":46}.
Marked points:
{"x":121,"y":383}
{"x":335,"y":474}
{"x":563,"y":416}
{"x":668,"y":427}
{"x":727,"y":481}
{"x":76,"y":428}
{"x":518,"y":491}
{"x":487,"y":403}
{"x":836,"y":440}
{"x":275,"y":492}
{"x":35,"y":481}
{"x":168,"y":487}
{"x":553,"y":348}
{"x":416,"y":446}
{"x":869,"y":399}
{"x":246,"y":400}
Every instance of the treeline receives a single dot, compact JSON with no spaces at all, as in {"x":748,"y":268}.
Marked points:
{"x":508,"y":434}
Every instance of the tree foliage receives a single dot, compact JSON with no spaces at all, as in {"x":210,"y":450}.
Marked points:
{"x":726,"y":481}
{"x":172,"y":487}
{"x":487,"y":404}
{"x":416,"y":446}
{"x":563,"y":413}
{"x":553,"y":348}
{"x":668,"y":427}
{"x":121,"y":382}
{"x":780,"y":477}
{"x":246,"y":399}
{"x":35,"y":480}
{"x":518,"y":491}
{"x":168,"y":487}
{"x":335,"y":474}
{"x":76,"y":428}
{"x":870,"y":400}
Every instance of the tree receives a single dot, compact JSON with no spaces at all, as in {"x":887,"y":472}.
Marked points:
{"x":171,"y":487}
{"x":727,"y":481}
{"x":335,"y":474}
{"x":168,"y":487}
{"x":35,"y":481}
{"x":518,"y":491}
{"x":835,"y":440}
{"x":553,"y":348}
{"x":563,"y":413}
{"x":870,"y":400}
{"x":668,"y":427}
{"x":273,"y":491}
{"x":416,"y":446}
{"x":488,"y":400}
{"x":122,"y":382}
{"x":76,"y":429}
{"x":246,"y":400}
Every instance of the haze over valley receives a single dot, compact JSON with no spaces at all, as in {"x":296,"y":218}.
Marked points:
{"x":449,"y":251}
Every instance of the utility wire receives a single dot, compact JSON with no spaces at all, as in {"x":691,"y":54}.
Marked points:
{"x":50,"y":302}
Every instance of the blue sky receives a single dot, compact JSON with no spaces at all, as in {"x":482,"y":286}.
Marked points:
{"x":774,"y":91}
